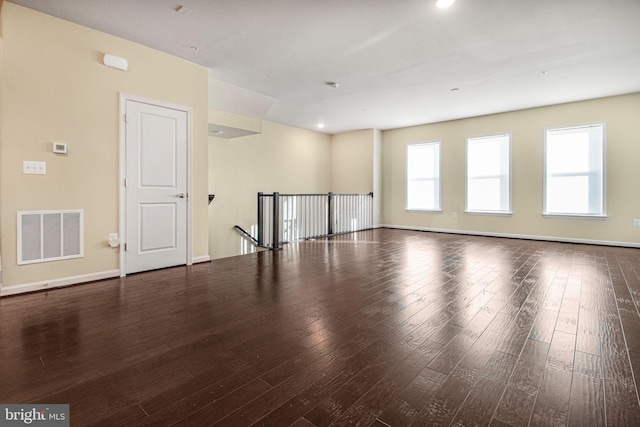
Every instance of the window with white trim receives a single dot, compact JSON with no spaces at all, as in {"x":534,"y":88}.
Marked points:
{"x":423,"y":176}
{"x":489,"y":174}
{"x":574,"y":171}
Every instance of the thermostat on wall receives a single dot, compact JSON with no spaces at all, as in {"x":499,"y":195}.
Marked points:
{"x":60,"y":148}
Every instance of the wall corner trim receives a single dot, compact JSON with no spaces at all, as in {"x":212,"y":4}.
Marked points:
{"x":199,"y":259}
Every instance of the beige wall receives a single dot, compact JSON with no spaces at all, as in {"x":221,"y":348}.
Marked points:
{"x":352,"y":162}
{"x":356,"y":165}
{"x":54,"y":88}
{"x":281,"y":158}
{"x":377,"y":176}
{"x":622,"y":117}
{"x":1,"y":63}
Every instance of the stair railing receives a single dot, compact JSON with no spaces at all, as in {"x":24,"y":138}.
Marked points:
{"x":284,"y":218}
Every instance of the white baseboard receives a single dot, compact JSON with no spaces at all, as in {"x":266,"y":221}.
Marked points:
{"x":199,"y":259}
{"x":518,"y":236}
{"x":57,"y":283}
{"x":74,"y":280}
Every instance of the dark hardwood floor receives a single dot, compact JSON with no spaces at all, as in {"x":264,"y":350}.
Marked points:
{"x":380,"y":328}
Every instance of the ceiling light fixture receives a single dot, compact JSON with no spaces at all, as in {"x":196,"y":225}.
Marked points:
{"x":443,"y":4}
{"x":183,"y":10}
{"x":320,"y":125}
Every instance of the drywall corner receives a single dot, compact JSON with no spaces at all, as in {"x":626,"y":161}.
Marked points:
{"x":377,"y":176}
{"x":237,"y":121}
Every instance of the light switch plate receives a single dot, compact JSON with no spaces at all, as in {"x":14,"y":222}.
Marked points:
{"x":34,"y":168}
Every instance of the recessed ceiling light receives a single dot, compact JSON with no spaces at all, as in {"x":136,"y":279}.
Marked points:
{"x":333,"y":85}
{"x":183,"y":10}
{"x":194,"y":48}
{"x":443,"y":4}
{"x":544,"y":73}
{"x":320,"y":125}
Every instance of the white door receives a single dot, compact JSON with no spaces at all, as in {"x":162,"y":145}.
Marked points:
{"x":155,"y":187}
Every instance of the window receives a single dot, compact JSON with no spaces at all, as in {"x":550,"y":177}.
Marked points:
{"x":488,"y":174}
{"x":574,"y":171}
{"x":423,"y":176}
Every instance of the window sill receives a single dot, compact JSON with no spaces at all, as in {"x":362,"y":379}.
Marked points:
{"x":574,"y":216}
{"x":496,"y":213}
{"x":423,"y":210}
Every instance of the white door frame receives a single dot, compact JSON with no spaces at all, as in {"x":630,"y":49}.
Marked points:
{"x":122,"y":192}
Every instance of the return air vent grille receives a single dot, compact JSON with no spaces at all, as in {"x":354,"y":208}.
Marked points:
{"x":50,"y":236}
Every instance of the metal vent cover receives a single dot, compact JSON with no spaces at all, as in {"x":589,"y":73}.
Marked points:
{"x":50,"y":235}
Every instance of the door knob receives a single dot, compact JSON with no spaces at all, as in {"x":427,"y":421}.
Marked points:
{"x":181,"y":195}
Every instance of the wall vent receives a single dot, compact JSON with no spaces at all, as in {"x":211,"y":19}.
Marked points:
{"x":50,"y":236}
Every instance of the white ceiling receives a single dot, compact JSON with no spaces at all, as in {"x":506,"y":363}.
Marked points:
{"x":396,"y":61}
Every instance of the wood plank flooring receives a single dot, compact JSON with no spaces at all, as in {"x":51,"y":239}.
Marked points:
{"x":376,"y":328}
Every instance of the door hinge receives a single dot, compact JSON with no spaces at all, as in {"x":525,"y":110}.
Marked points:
{"x":125,"y":247}
{"x":126,"y":183}
{"x":126,"y":119}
